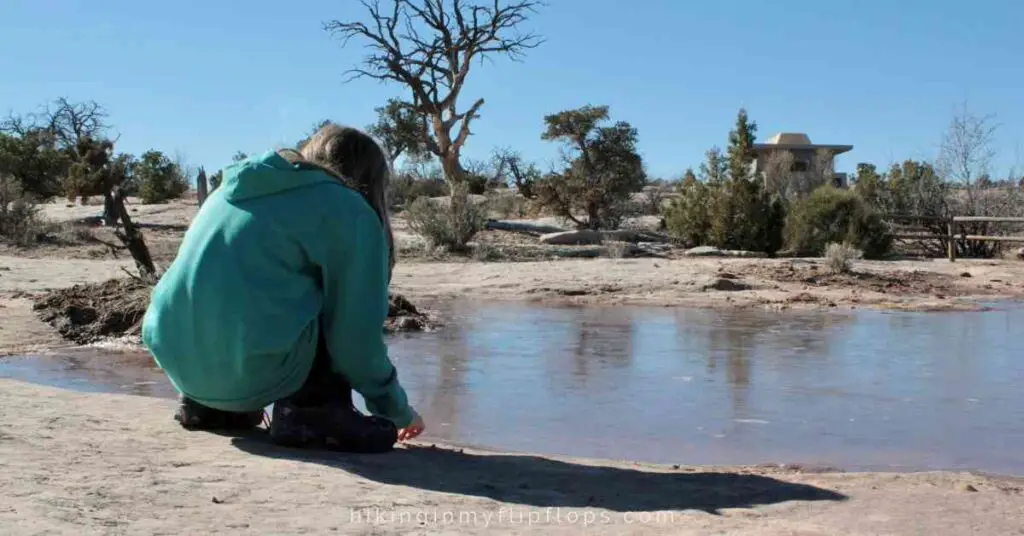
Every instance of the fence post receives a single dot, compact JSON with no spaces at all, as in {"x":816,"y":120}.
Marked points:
{"x":951,"y":241}
{"x":202,"y":185}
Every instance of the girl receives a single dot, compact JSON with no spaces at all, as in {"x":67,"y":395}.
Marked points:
{"x":279,"y":294}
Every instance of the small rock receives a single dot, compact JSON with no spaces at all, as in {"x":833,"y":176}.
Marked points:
{"x":676,"y":466}
{"x":966,"y":274}
{"x":968,"y":487}
{"x":1020,"y":253}
{"x":217,"y":501}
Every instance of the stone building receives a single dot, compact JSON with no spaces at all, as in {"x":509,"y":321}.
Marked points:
{"x":796,"y":151}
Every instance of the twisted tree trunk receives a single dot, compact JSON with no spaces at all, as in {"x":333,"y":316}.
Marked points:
{"x":131,"y":237}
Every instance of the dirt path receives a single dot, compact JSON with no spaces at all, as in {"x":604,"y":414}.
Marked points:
{"x":105,"y":464}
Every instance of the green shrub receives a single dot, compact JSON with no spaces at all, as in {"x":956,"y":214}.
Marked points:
{"x":732,"y":214}
{"x":744,"y":215}
{"x":20,"y":223}
{"x":688,"y":217}
{"x":831,"y":214}
{"x":159,"y":178}
{"x":451,"y":226}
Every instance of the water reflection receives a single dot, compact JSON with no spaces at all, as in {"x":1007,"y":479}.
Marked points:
{"x":864,"y":390}
{"x":868,"y":390}
{"x":92,"y":370}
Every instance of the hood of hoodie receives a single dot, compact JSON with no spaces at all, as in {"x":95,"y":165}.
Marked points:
{"x":267,"y":174}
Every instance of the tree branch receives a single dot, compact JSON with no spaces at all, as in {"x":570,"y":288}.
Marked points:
{"x":470,"y":115}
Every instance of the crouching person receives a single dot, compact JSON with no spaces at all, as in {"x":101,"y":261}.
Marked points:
{"x":279,"y":294}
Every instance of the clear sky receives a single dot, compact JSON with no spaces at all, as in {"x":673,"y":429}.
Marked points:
{"x":207,"y":78}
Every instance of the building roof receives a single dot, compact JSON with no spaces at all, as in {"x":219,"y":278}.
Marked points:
{"x":797,"y":140}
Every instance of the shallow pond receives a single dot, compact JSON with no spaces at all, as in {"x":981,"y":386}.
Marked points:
{"x":865,"y":390}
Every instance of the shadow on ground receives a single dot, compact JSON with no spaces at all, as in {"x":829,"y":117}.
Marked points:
{"x":541,"y":482}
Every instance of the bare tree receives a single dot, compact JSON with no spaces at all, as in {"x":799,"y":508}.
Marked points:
{"x":966,"y":153}
{"x":517,"y":172}
{"x":778,"y":173}
{"x":71,"y":122}
{"x":965,"y":157}
{"x":965,"y":160}
{"x":428,"y":46}
{"x":823,"y":168}
{"x":68,"y":122}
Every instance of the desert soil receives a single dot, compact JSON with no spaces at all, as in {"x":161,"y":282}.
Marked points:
{"x":89,"y":463}
{"x":112,"y":464}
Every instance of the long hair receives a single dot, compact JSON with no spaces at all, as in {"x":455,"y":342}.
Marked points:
{"x":357,"y":161}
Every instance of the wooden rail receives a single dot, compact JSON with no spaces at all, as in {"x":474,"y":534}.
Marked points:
{"x":950,"y":236}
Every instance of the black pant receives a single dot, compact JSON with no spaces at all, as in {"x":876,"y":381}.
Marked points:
{"x":323,"y":385}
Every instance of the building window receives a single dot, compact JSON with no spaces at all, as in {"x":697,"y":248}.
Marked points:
{"x":799,"y":165}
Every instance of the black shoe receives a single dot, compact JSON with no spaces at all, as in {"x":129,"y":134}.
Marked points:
{"x":194,"y":416}
{"x":331,"y":426}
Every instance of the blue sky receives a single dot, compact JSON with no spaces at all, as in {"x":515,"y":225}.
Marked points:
{"x":208,"y":78}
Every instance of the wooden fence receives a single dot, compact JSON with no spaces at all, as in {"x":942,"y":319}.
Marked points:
{"x":950,"y":237}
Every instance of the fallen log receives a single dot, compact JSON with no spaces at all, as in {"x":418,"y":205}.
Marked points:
{"x":587,"y":237}
{"x":533,"y":229}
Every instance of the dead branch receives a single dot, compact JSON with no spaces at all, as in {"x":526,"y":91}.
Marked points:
{"x":132,"y":238}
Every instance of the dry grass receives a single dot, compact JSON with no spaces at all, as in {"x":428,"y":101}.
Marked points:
{"x":839,"y":257}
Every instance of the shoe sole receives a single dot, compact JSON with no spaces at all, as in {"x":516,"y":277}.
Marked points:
{"x":312,"y":440}
{"x":329,"y":444}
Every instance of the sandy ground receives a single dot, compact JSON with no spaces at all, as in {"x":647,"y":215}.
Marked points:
{"x":713,"y":282}
{"x":112,"y":464}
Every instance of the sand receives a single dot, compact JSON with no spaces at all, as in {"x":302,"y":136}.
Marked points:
{"x":77,"y":463}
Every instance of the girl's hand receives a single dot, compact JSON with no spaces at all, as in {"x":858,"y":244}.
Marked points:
{"x":414,"y":429}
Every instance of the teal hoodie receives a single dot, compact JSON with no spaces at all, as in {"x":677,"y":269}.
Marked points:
{"x":275,"y":255}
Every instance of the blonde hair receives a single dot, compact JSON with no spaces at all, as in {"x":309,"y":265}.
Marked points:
{"x":357,"y":161}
